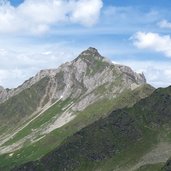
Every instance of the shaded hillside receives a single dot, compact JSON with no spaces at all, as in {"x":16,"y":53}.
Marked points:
{"x":110,"y":136}
{"x":26,"y":102}
{"x":167,"y":166}
{"x":92,"y":113}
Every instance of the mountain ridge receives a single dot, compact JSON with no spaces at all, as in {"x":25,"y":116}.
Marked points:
{"x":91,"y":54}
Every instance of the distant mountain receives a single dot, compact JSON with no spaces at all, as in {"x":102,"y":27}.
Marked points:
{"x":129,"y":137}
{"x":56,"y":103}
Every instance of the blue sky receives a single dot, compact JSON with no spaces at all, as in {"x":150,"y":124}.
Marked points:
{"x":151,"y":3}
{"x":16,"y":2}
{"x":43,"y":34}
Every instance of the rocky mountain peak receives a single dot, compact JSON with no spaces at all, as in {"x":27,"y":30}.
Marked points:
{"x":90,"y":54}
{"x":92,"y":50}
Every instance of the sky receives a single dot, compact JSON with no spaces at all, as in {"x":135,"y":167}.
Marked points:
{"x":43,"y":34}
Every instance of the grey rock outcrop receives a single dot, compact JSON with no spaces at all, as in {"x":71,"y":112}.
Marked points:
{"x":3,"y":93}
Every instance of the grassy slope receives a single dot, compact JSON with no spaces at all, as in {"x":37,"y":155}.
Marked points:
{"x":151,"y":167}
{"x":55,"y":110}
{"x":137,"y":129}
{"x":20,"y":106}
{"x":88,"y":116}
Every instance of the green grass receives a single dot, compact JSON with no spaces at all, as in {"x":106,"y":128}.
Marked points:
{"x":55,"y":138}
{"x":19,"y":107}
{"x":94,"y":65}
{"x":38,"y":149}
{"x":128,"y":157}
{"x":32,"y":152}
{"x":151,"y":167}
{"x":45,"y":117}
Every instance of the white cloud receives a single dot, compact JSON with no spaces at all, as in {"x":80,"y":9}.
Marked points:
{"x":157,"y":73}
{"x":164,"y":24}
{"x":153,"y":42}
{"x":86,"y":12}
{"x":39,"y":16}
{"x":13,"y":74}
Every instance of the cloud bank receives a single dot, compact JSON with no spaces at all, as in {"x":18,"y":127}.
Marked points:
{"x":153,"y":42}
{"x":157,"y":73}
{"x":164,"y":24}
{"x":38,"y":17}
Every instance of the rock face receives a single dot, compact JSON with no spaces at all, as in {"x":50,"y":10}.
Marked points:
{"x":81,"y":76}
{"x":3,"y":93}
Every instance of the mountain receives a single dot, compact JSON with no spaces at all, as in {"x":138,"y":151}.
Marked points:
{"x":81,"y":78}
{"x":83,"y":69}
{"x":133,"y":139}
{"x":56,"y":103}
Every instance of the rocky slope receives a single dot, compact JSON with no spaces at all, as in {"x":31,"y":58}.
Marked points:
{"x":118,"y":141}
